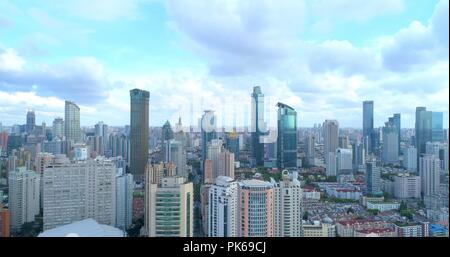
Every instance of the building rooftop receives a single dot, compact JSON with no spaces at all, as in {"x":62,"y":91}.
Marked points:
{"x":83,"y":228}
{"x":255,"y":183}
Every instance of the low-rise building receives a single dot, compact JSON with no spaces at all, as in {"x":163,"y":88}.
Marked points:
{"x":347,"y":228}
{"x":412,"y":229}
{"x":319,"y":229}
{"x":383,"y":206}
{"x":375,"y":232}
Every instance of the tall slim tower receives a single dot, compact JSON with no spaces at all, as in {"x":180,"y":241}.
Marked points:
{"x":287,"y":137}
{"x":139,"y":126}
{"x":31,"y":121}
{"x":423,"y":132}
{"x":368,"y":125}
{"x":257,"y":125}
{"x":330,"y":144}
{"x":72,"y":128}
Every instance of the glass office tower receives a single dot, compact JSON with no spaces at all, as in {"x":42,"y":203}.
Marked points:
{"x":287,"y":137}
{"x":257,"y":125}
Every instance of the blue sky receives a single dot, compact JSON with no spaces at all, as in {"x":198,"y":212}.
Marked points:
{"x":322,"y":57}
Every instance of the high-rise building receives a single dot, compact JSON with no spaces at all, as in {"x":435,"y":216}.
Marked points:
{"x":226,"y":164}
{"x":440,"y":151}
{"x":208,"y":172}
{"x":358,"y":155}
{"x":395,"y":121}
{"x":124,"y":200}
{"x":72,"y":129}
{"x":232,"y":144}
{"x":4,"y":222}
{"x":423,"y":132}
{"x":23,"y":196}
{"x":310,"y":150}
{"x":257,"y":126}
{"x":169,"y":208}
{"x":176,"y":154}
{"x":213,"y":154}
{"x":157,"y":171}
{"x":368,"y":125}
{"x":410,"y":159}
{"x":287,"y":137}
{"x":437,"y":131}
{"x":255,"y":213}
{"x":223,"y":208}
{"x":343,"y":142}
{"x":406,"y":186}
{"x":390,"y":143}
{"x":75,"y":191}
{"x":343,"y":160}
{"x":58,"y":128}
{"x":31,"y":122}
{"x":139,"y":120}
{"x":208,"y":127}
{"x":166,"y":132}
{"x":373,"y":178}
{"x":330,"y":138}
{"x":288,"y":207}
{"x":101,"y":130}
{"x":429,"y":174}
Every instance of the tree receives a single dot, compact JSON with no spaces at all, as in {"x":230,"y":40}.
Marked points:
{"x":305,"y":215}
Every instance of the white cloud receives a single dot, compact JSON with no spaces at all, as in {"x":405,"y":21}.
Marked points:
{"x":10,"y":61}
{"x":358,"y":10}
{"x":103,"y":10}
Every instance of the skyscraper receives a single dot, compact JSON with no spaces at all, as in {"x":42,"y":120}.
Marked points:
{"x":214,"y":150}
{"x":175,"y":153}
{"x":72,"y":129}
{"x":437,"y":131}
{"x":232,"y":144}
{"x":396,"y":122}
{"x":287,"y":137}
{"x":31,"y":122}
{"x":255,"y":212}
{"x":208,"y":127}
{"x":257,"y":126}
{"x":310,"y":150}
{"x":223,"y":208}
{"x":343,"y":160}
{"x":58,"y":128}
{"x":368,"y":125}
{"x":410,"y":159}
{"x":139,"y":121}
{"x":390,"y":143}
{"x":330,"y":137}
{"x":423,"y":132}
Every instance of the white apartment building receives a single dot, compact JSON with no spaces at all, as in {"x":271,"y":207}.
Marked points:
{"x":223,"y":208}
{"x":406,"y":186}
{"x":75,"y":191}
{"x":23,"y":196}
{"x":288,"y":209}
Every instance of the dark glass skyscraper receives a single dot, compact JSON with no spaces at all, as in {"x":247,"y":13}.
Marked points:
{"x":368,"y":125}
{"x":287,"y":137}
{"x":257,"y":125}
{"x":423,"y":130}
{"x":139,"y":121}
{"x":232,"y":143}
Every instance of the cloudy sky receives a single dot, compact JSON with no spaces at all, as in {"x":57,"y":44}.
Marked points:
{"x":322,"y":57}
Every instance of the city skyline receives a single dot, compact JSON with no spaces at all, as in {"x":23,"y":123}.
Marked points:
{"x":324,"y":65}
